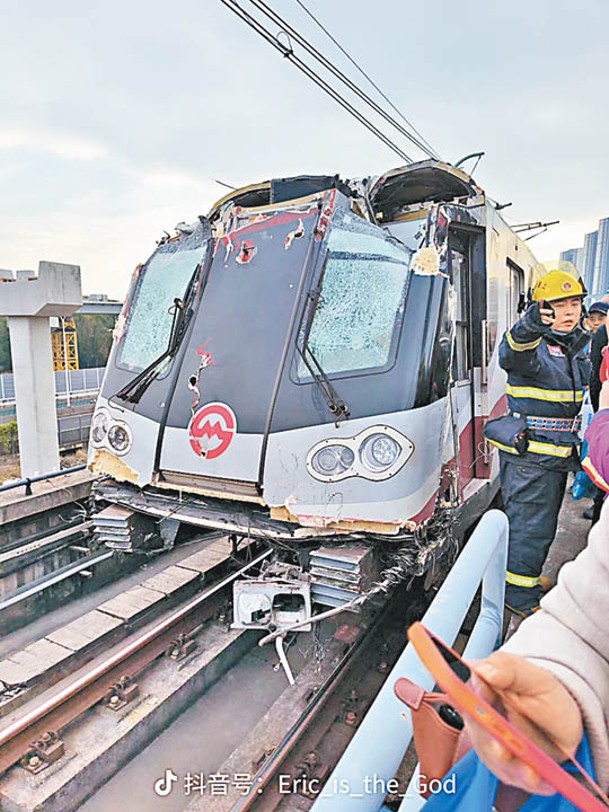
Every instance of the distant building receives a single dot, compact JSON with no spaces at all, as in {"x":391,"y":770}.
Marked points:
{"x":600,"y":282}
{"x":571,"y":255}
{"x":589,"y":257}
{"x":592,"y":260}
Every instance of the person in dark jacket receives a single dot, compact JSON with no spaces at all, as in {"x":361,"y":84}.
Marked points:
{"x":597,"y":316}
{"x":598,"y":310}
{"x":599,"y":341}
{"x":544,"y":355}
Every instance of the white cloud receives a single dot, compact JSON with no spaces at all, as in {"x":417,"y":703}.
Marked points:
{"x":51,"y":142}
{"x":107,"y":241}
{"x":120,"y":115}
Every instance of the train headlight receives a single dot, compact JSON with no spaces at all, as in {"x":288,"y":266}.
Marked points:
{"x":119,"y":438}
{"x":332,"y":460}
{"x":379,"y":452}
{"x":376,"y":453}
{"x":99,"y":427}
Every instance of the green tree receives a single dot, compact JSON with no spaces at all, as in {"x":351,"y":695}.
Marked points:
{"x":5,"y":347}
{"x":8,"y":437}
{"x":94,"y":339}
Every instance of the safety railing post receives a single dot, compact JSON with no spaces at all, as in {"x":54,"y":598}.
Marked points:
{"x":359,"y":780}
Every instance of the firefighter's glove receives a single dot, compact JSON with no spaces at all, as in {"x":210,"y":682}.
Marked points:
{"x":540,"y":315}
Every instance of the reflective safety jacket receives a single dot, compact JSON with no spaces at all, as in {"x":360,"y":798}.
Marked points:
{"x":547,"y":376}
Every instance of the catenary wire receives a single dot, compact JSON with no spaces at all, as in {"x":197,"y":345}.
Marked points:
{"x":432,"y":151}
{"x":233,"y":6}
{"x":292,"y":33}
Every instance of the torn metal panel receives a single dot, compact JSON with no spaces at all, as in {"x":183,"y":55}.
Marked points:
{"x":103,"y":462}
{"x":341,"y":526}
{"x":297,"y":234}
{"x":227,"y":242}
{"x":246,"y":253}
{"x":424,"y":182}
{"x":206,"y":360}
{"x":325,"y":216}
{"x":249,"y":520}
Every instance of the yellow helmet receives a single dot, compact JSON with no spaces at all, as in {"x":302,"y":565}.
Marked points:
{"x":557,"y":285}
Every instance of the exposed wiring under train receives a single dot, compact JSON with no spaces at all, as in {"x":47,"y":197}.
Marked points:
{"x":424,"y":550}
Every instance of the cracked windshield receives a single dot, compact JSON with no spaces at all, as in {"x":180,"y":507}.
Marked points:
{"x":361,"y":301}
{"x":149,"y":321}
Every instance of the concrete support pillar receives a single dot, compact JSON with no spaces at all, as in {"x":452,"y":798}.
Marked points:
{"x":35,"y":394}
{"x":29,"y":302}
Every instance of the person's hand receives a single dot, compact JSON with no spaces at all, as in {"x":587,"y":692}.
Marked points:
{"x":546,"y":313}
{"x":603,"y":398}
{"x":537,"y":704}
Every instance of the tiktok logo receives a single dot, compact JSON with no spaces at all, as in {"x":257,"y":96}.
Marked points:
{"x":163,"y":786}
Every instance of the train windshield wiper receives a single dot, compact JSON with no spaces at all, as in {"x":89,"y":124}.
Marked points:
{"x":333,"y":400}
{"x":182,"y":313}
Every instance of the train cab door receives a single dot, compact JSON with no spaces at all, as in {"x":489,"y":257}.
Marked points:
{"x":467,"y":267}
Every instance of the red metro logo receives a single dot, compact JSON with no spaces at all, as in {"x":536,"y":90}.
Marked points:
{"x":211,"y":430}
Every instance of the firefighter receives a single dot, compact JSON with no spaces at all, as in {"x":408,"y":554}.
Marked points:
{"x":545,"y":357}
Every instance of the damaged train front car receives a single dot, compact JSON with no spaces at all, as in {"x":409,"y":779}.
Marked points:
{"x":281,"y":369}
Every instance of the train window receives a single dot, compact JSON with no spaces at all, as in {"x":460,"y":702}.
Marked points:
{"x":459,"y":274}
{"x":516,"y":289}
{"x":361,"y":302}
{"x":149,"y":319}
{"x":440,"y":366}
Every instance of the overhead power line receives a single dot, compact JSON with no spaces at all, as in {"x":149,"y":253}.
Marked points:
{"x":529,"y":226}
{"x":288,"y":53}
{"x":368,"y":78}
{"x":292,"y":33}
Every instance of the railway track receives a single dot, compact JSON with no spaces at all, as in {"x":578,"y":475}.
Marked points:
{"x":295,"y":759}
{"x":33,"y":735}
{"x":289,"y":752}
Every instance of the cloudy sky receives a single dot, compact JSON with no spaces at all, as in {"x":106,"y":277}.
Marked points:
{"x":118,"y":116}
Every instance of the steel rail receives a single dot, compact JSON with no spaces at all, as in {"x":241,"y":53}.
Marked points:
{"x":66,"y":705}
{"x":74,"y":525}
{"x":272,"y":765}
{"x":256,"y":798}
{"x":56,"y":577}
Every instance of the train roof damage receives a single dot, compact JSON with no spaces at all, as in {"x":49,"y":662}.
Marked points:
{"x":380,"y":199}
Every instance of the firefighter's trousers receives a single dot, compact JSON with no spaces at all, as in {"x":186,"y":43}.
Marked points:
{"x":532,"y":497}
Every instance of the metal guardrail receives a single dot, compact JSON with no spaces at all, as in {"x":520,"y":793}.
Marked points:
{"x":74,"y":430}
{"x":73,"y":380}
{"x":359,"y":780}
{"x":27,"y":482}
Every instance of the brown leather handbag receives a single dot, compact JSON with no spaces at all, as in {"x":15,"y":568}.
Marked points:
{"x":439,"y":737}
{"x":441,"y":740}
